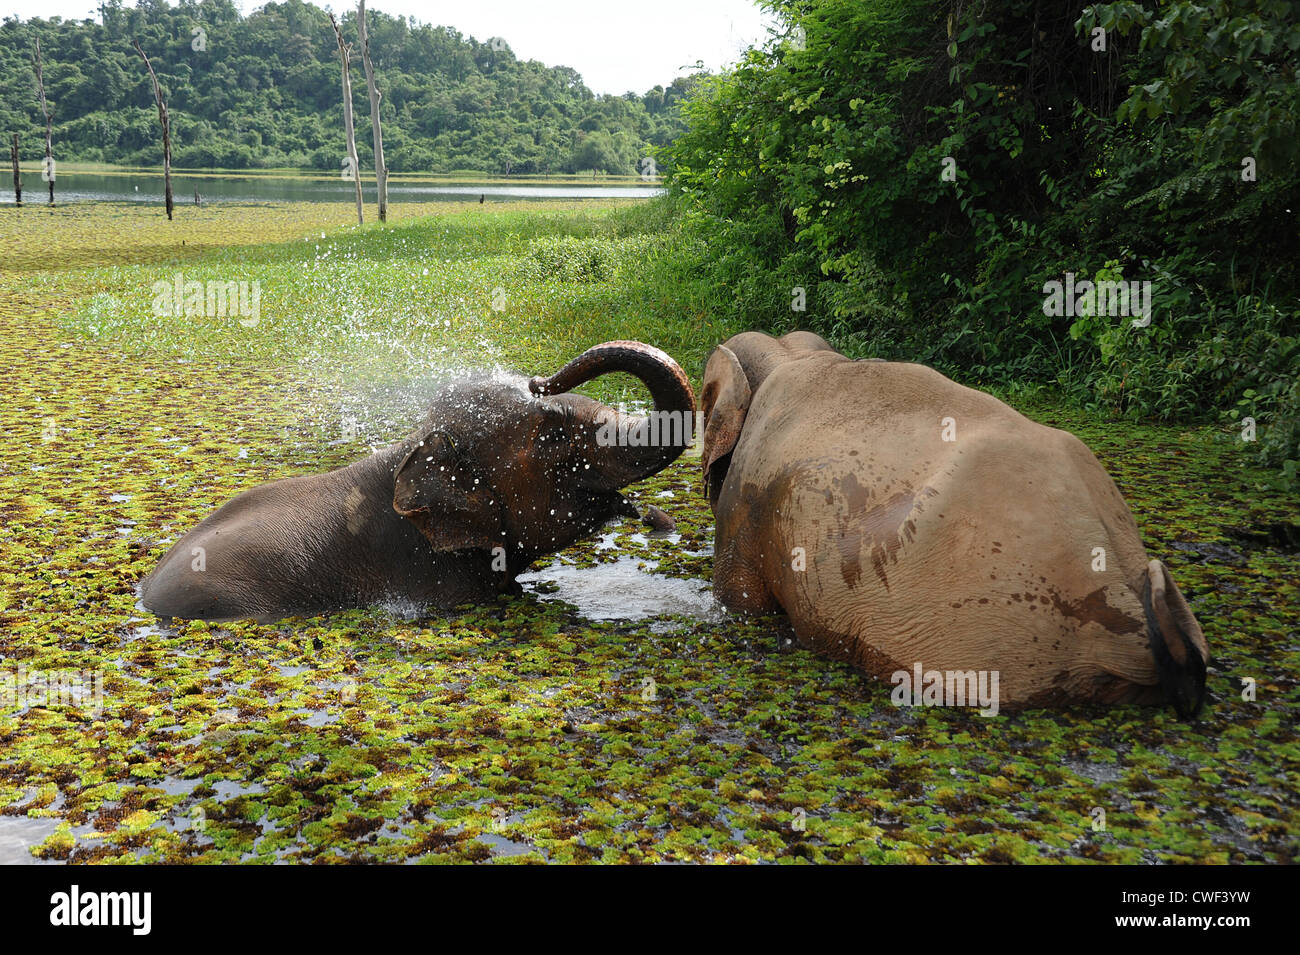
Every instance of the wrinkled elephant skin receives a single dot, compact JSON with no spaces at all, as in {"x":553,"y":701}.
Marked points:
{"x":903,"y":521}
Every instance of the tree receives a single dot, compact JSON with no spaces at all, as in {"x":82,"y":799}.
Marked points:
{"x":48,"y":171}
{"x":265,"y":81}
{"x":381,"y":171}
{"x":165,"y":121}
{"x":18,"y":178}
{"x":925,"y":171}
{"x":353,"y":171}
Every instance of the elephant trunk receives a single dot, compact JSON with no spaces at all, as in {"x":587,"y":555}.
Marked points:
{"x":625,"y":449}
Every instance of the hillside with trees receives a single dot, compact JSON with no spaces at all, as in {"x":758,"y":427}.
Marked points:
{"x":263,"y":90}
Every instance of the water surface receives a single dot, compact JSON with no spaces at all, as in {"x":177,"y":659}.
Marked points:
{"x":218,"y":187}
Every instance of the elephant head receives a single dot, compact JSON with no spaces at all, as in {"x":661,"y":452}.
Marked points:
{"x":533,"y":471}
{"x":732,"y":374}
{"x":500,"y":472}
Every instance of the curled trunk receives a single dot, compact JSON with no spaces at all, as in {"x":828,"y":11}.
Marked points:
{"x":624,"y":449}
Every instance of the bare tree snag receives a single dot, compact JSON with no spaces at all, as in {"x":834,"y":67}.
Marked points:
{"x":381,"y":170}
{"x":18,"y":176}
{"x":48,"y":172}
{"x":345,"y":51}
{"x":165,"y":120}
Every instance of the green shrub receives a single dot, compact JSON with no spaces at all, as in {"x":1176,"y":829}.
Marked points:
{"x":920,"y":178}
{"x":580,"y":259}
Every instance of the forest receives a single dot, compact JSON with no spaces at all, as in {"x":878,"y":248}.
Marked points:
{"x":926,"y":174}
{"x":263,"y":91}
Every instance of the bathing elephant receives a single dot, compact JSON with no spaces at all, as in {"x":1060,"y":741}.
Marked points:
{"x":906,"y":523}
{"x":502,"y":471}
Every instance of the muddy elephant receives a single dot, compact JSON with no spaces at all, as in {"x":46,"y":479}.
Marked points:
{"x":916,"y":527}
{"x":501,"y":471}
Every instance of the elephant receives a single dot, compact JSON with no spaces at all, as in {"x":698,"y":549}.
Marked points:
{"x":501,"y":471}
{"x":910,"y":525}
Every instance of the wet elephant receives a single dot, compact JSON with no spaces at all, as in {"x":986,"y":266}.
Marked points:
{"x":500,"y":472}
{"x":911,"y":525}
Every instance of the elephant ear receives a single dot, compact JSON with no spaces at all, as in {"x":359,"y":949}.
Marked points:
{"x":723,"y":405}
{"x":438,"y":489}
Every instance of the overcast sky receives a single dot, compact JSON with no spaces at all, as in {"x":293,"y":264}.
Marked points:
{"x":616,"y":45}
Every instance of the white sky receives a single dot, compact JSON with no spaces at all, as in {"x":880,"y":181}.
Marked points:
{"x":616,"y":45}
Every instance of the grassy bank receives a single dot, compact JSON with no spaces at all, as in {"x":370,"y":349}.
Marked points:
{"x":521,"y":730}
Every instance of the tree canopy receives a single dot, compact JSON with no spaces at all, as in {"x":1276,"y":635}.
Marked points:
{"x":924,"y":170}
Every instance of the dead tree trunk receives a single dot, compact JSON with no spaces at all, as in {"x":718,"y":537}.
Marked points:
{"x":381,"y":171}
{"x":165,"y":120}
{"x":47,"y":172}
{"x":18,"y":176}
{"x":354,"y":166}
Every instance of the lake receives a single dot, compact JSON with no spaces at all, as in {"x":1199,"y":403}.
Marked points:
{"x":72,"y":185}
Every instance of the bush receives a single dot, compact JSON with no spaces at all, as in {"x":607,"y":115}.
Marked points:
{"x":1233,"y":361}
{"x":906,"y":167}
{"x":573,"y":259}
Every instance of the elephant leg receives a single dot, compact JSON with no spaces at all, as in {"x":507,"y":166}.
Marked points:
{"x":739,"y":584}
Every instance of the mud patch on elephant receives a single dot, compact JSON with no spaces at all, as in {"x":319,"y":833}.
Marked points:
{"x":850,"y":546}
{"x":1094,"y":609}
{"x":890,"y":526}
{"x":856,"y":497}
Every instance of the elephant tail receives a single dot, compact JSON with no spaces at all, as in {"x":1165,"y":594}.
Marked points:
{"x":1176,"y":640}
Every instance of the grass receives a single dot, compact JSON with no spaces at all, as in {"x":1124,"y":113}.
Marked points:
{"x":520,"y":731}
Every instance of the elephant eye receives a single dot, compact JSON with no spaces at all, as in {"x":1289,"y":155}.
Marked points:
{"x":555,"y":410}
{"x":446,"y":444}
{"x":556,"y":419}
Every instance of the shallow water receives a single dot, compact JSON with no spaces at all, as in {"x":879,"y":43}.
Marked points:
{"x":143,"y":186}
{"x":621,"y":590}
{"x":18,"y":834}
